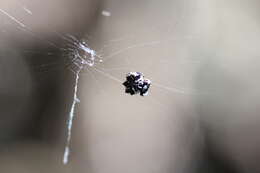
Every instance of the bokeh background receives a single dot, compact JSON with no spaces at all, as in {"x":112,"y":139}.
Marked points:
{"x":201,"y":114}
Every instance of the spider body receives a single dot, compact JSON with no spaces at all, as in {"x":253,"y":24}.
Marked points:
{"x":135,"y":83}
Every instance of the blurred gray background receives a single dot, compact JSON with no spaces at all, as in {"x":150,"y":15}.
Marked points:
{"x":201,"y":114}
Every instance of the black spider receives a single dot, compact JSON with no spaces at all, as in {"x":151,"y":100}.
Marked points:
{"x":135,"y":83}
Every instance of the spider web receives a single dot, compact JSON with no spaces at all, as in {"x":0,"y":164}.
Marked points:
{"x":119,"y":53}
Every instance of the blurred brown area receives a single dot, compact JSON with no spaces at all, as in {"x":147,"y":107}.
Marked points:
{"x":208,"y":50}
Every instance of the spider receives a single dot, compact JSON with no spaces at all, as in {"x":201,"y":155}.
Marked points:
{"x":135,"y":83}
